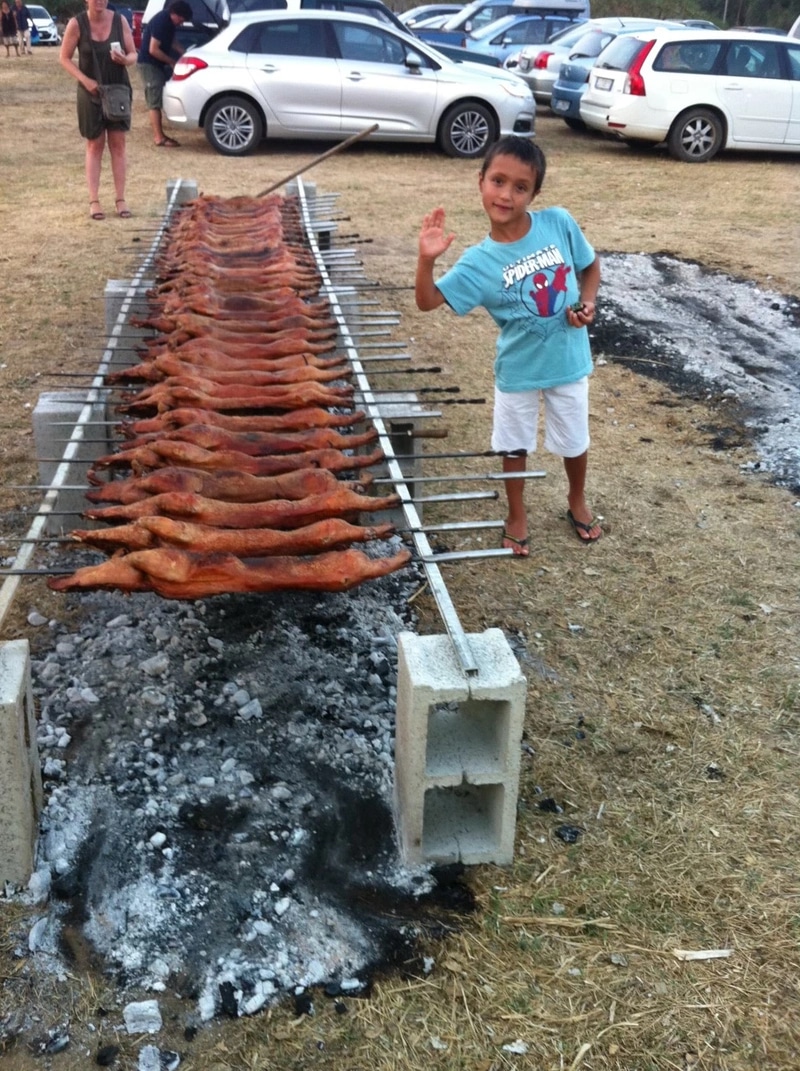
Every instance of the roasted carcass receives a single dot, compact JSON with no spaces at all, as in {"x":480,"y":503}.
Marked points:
{"x":180,"y":574}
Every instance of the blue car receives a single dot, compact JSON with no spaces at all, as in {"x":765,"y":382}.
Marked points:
{"x":480,"y":13}
{"x":511,"y":33}
{"x":573,"y":76}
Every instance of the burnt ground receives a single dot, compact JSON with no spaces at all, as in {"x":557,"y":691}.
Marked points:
{"x":713,"y":337}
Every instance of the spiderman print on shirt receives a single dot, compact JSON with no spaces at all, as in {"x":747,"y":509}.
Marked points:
{"x":539,"y":281}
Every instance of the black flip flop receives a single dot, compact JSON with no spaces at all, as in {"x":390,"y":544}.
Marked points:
{"x":521,"y":543}
{"x":581,"y":526}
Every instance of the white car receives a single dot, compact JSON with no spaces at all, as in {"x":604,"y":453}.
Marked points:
{"x":328,"y":75}
{"x":701,"y":91}
{"x":45,"y":26}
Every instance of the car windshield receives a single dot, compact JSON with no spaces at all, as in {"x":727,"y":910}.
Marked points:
{"x":38,"y":12}
{"x":477,"y":14}
{"x":494,"y":28}
{"x":592,"y":43}
{"x":567,"y":36}
{"x":621,"y":53}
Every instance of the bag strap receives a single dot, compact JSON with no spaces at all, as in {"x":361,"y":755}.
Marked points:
{"x":116,"y":27}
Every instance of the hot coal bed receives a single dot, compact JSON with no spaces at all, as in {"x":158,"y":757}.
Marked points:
{"x":219,"y":819}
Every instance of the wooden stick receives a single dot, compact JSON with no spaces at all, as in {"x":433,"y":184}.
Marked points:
{"x":318,"y":159}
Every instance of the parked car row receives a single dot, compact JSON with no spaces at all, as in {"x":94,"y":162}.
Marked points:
{"x":247,"y":75}
{"x":573,"y":74}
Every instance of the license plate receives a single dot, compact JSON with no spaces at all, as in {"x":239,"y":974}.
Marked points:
{"x":604,"y":83}
{"x":560,"y":105}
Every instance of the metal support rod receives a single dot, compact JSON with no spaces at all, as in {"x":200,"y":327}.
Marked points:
{"x":465,"y":476}
{"x":463,"y":496}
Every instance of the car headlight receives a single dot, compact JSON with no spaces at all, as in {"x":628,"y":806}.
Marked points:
{"x":515,"y":87}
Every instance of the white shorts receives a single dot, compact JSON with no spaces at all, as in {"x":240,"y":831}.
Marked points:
{"x":566,"y":420}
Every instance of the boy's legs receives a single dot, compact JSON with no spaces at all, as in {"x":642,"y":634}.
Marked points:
{"x":567,"y":434}
{"x":515,"y":533}
{"x":575,"y":468}
{"x":514,"y":435}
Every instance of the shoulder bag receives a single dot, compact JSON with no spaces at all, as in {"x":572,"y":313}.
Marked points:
{"x":115,"y":99}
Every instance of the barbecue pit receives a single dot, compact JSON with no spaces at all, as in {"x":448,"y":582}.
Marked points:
{"x":459,"y":699}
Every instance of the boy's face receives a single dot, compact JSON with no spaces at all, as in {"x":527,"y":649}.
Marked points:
{"x":507,"y":188}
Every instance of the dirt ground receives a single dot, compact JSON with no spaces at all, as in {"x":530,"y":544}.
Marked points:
{"x":664,"y":706}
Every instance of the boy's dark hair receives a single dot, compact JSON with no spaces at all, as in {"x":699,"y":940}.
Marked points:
{"x":523,"y":149}
{"x":181,"y":8}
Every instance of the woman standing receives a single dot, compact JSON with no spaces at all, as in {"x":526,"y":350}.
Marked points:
{"x":8,"y":24}
{"x":105,"y":49}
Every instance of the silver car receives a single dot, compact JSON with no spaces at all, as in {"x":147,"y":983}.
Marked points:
{"x":328,"y":75}
{"x":539,"y":64}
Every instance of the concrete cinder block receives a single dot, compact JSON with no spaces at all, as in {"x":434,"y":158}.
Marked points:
{"x":20,"y":774}
{"x":457,"y":749}
{"x":116,"y":293}
{"x":187,"y":190}
{"x":52,"y":416}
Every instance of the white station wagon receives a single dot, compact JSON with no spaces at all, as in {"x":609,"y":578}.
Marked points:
{"x":701,"y":91}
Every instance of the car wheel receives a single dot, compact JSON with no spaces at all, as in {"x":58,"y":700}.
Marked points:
{"x":696,"y":136}
{"x":467,"y":130}
{"x":575,"y":124}
{"x":233,"y":126}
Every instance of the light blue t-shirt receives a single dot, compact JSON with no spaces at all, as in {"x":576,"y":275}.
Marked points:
{"x":525,"y":287}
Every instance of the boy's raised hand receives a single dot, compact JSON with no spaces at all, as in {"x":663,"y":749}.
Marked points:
{"x":432,"y":238}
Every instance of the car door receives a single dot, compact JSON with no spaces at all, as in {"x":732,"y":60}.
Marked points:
{"x":756,"y":96}
{"x":793,"y":129}
{"x":377,"y":84}
{"x":296,"y":75}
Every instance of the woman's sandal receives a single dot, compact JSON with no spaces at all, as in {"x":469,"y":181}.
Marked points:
{"x":167,"y":143}
{"x":126,"y":212}
{"x":96,"y":215}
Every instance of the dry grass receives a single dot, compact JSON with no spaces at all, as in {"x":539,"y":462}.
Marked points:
{"x":666,"y":726}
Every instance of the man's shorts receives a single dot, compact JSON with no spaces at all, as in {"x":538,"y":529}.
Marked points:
{"x":566,"y":419}
{"x":154,"y":80}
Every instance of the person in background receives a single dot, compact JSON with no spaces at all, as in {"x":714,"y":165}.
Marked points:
{"x":157,"y":57}
{"x":8,"y":28}
{"x":105,"y":50}
{"x":537,"y":276}
{"x":24,"y":24}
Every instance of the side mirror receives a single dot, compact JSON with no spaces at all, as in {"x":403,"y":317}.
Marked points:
{"x":413,"y":61}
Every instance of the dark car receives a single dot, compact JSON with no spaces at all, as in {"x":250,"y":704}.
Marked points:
{"x":758,"y":29}
{"x":211,"y":16}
